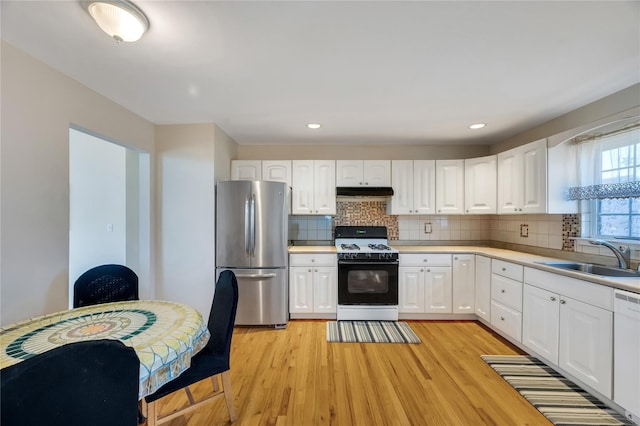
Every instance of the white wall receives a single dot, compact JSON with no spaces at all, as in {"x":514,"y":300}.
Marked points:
{"x":185,"y":250}
{"x":97,"y":204}
{"x":38,"y":106}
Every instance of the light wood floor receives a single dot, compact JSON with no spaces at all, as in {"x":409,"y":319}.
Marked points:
{"x":294,"y":377}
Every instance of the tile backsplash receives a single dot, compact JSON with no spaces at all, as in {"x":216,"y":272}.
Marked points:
{"x":542,"y":230}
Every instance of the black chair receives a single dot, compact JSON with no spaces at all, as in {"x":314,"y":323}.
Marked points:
{"x":211,"y":360}
{"x":85,"y":383}
{"x":105,"y":283}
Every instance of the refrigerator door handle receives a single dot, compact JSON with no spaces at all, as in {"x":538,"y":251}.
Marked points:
{"x":256,"y":276}
{"x":253,"y":225}
{"x":247,"y":231}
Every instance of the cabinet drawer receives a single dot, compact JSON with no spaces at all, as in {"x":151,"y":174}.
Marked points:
{"x":584,"y":291}
{"x":313,"y":259}
{"x":425,"y":259}
{"x":507,"y":269}
{"x":507,"y":291}
{"x":506,"y":320}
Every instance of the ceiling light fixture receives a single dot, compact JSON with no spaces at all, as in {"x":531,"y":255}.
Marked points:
{"x":313,"y":126}
{"x":121,"y":19}
{"x":477,"y":126}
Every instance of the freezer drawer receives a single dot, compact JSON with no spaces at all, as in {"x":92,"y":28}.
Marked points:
{"x":263,"y":296}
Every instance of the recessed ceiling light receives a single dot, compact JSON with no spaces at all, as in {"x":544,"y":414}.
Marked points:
{"x":313,"y":126}
{"x":477,"y":126}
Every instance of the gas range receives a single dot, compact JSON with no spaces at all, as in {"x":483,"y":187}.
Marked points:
{"x":365,"y":243}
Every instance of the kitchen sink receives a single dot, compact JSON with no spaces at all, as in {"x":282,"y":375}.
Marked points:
{"x":594,"y":269}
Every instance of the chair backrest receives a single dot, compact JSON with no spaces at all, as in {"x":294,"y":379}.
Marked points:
{"x":105,"y":283}
{"x":223,"y":314}
{"x":85,"y":383}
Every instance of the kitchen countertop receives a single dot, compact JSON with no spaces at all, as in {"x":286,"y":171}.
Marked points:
{"x":522,"y":258}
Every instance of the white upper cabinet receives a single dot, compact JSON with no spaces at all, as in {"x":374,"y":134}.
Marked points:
{"x":350,"y":173}
{"x":277,"y":171}
{"x":313,"y":187}
{"x":480,"y":185}
{"x":246,"y":170}
{"x":522,"y":179}
{"x":414,"y":187}
{"x":450,"y":186}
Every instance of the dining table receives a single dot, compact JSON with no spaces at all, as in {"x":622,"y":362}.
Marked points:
{"x":165,"y":335}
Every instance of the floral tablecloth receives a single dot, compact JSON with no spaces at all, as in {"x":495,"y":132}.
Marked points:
{"x":165,"y":335}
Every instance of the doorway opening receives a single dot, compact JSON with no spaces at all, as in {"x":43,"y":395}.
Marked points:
{"x":109,"y":207}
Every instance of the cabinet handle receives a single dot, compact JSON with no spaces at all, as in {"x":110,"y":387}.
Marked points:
{"x":455,"y":258}
{"x":501,"y":318}
{"x":428,"y":270}
{"x":360,"y":183}
{"x":421,"y":270}
{"x":313,"y":260}
{"x":366,"y":183}
{"x":562,"y":302}
{"x":515,"y":209}
{"x":467,"y":211}
{"x":424,"y":260}
{"x":311,"y":211}
{"x":553,"y":299}
{"x":502,"y":291}
{"x":504,"y":269}
{"x":316,"y":270}
{"x":309,"y":270}
{"x":519,"y":210}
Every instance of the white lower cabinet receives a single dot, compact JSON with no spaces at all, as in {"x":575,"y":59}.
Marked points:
{"x":463,"y":286}
{"x":483,"y":287}
{"x":540,"y":322}
{"x":313,"y":286}
{"x":506,"y":298}
{"x":425,"y":283}
{"x":569,"y":322}
{"x":586,"y":337}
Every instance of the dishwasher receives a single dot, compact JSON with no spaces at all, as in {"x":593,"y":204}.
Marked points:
{"x":626,"y":353}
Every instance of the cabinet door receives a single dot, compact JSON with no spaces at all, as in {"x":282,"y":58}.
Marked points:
{"x":450,"y":186}
{"x":541,"y":322}
{"x":246,"y":170}
{"x":437,"y":289}
{"x":410,"y":289}
{"x":534,"y":177}
{"x":325,"y":187}
{"x":301,"y":289}
{"x":586,"y":343}
{"x":377,"y":172}
{"x":463,"y":283}
{"x":424,"y":186}
{"x":480,"y":185}
{"x":302,"y":193}
{"x":483,"y":287}
{"x":277,"y":171}
{"x":509,"y":176}
{"x":402,"y":183}
{"x":349,"y":173}
{"x":325,"y":288}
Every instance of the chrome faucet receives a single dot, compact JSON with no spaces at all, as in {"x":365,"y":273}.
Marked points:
{"x":623,"y":253}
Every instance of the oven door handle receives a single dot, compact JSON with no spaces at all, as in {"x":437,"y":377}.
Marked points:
{"x":346,"y":262}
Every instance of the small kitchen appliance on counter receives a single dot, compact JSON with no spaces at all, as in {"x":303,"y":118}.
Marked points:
{"x":251,"y":241}
{"x":367,"y":274}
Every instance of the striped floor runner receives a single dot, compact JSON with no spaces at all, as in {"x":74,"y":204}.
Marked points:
{"x":370,"y":332}
{"x":560,"y":400}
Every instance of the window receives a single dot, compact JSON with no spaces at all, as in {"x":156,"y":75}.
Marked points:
{"x":617,"y":159}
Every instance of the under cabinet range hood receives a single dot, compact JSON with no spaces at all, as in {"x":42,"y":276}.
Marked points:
{"x":364,"y":191}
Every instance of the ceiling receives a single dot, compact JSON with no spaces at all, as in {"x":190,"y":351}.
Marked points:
{"x":371,"y":72}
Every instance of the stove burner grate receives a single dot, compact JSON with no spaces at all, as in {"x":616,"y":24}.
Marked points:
{"x":349,"y":247}
{"x":381,"y":247}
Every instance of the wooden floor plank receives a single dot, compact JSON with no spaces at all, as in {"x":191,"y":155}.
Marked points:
{"x":294,"y":377}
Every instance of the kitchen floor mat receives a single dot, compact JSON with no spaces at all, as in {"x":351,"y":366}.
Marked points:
{"x":370,"y":332}
{"x":559,"y":399}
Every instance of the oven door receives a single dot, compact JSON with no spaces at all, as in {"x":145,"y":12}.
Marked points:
{"x":367,"y":283}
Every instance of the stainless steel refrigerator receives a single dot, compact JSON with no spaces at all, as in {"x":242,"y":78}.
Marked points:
{"x":251,"y":240}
